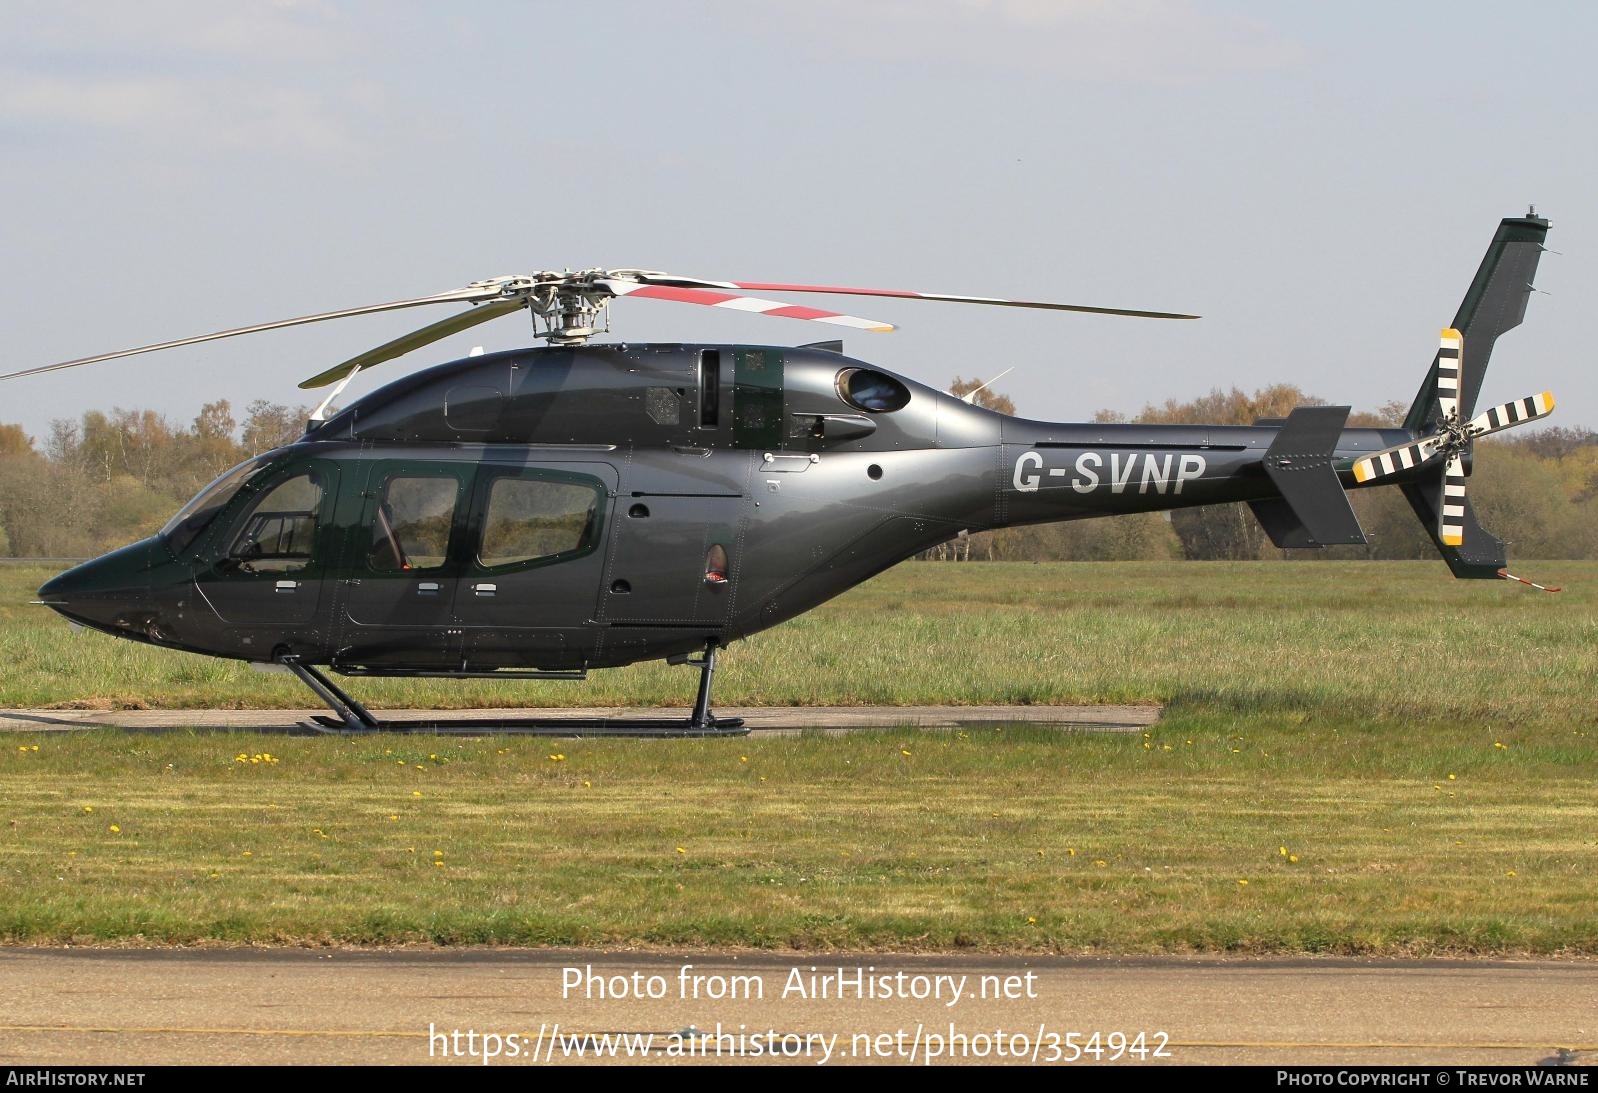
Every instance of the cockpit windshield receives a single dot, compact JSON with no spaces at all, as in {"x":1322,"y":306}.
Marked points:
{"x":181,"y":531}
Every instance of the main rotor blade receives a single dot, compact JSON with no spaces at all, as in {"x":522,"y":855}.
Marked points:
{"x":762,"y":286}
{"x":738,"y":302}
{"x":1509,"y":414}
{"x":433,"y":332}
{"x":466,"y":295}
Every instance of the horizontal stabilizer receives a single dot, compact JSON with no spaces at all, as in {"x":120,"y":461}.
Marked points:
{"x":1313,"y":510}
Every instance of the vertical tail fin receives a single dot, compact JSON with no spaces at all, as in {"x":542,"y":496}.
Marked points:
{"x":1495,"y":303}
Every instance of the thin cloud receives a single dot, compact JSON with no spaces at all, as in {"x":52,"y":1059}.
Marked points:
{"x":1128,"y":41}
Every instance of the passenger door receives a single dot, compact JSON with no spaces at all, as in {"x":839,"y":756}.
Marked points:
{"x":399,"y":588}
{"x":530,"y":577}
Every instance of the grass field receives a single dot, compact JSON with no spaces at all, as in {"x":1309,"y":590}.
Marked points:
{"x":1393,"y":762}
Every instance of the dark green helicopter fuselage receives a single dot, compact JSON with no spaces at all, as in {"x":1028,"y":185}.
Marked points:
{"x":570,"y":508}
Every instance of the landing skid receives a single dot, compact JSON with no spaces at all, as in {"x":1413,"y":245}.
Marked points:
{"x":352,"y":717}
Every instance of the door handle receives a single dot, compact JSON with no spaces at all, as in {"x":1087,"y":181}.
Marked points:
{"x":427,"y":588}
{"x":287,"y":586}
{"x":485,"y":589}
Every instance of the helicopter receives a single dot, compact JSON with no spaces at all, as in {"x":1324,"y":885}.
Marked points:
{"x":543,"y":512}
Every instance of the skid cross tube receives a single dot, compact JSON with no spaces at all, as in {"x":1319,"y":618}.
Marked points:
{"x":352,"y":717}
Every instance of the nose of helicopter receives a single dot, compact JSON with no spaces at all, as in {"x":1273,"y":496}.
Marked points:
{"x":110,"y":593}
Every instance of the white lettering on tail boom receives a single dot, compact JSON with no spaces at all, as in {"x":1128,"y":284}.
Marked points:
{"x":1159,"y":472}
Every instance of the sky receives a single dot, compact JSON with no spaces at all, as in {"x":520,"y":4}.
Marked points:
{"x":1318,"y":181}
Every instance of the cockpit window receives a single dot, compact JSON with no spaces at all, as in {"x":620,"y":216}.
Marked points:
{"x":872,"y":391}
{"x":181,"y":531}
{"x":279,"y":535}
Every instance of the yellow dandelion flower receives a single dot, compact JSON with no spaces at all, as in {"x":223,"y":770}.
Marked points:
{"x":905,"y":752}
{"x":682,"y":850}
{"x":1147,"y":746}
{"x":114,"y":829}
{"x":439,"y":864}
{"x":587,"y":784}
{"x":248,"y":854}
{"x":1071,"y":850}
{"x":1241,"y":883}
{"x":420,"y":767}
{"x":1100,"y":862}
{"x":1510,"y":873}
{"x":1031,"y":920}
{"x":1292,"y":857}
{"x":1282,"y":850}
{"x":432,"y":755}
{"x":438,"y":853}
{"x":392,"y":817}
{"x":88,"y":808}
{"x":401,"y":762}
{"x":762,"y":777}
{"x":1040,"y":853}
{"x":995,"y":815}
{"x":743,"y":759}
{"x":34,"y":748}
{"x":1500,"y":745}
{"x":1452,"y":777}
{"x":416,"y":793}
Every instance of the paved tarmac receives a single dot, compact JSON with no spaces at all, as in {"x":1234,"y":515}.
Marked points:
{"x":149,"y":1007}
{"x":765,"y":720}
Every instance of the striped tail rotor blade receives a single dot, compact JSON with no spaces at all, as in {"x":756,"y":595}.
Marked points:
{"x":1450,"y":362}
{"x":1511,"y":413}
{"x":1451,"y":523}
{"x":739,"y":302}
{"x":1392,"y":460}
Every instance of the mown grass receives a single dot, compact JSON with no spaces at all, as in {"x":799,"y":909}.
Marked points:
{"x":1424,"y":748}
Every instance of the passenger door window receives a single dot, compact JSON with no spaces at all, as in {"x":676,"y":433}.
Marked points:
{"x":412,"y":522}
{"x":531,"y":519}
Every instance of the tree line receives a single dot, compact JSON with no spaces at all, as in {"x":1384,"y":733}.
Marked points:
{"x":104,"y":480}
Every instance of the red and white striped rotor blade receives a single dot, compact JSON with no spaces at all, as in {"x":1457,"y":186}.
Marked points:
{"x":899,"y":294}
{"x":739,"y":302}
{"x":1510,"y":414}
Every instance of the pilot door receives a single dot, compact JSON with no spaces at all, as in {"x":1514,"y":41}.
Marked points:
{"x":274,"y":555}
{"x":400,"y":579}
